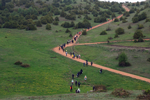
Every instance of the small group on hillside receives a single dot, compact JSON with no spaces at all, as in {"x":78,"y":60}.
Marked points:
{"x":86,"y":63}
{"x":75,"y":56}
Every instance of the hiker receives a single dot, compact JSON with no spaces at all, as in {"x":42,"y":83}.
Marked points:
{"x":72,"y":76}
{"x":100,"y":71}
{"x":72,"y":41}
{"x":79,"y":56}
{"x":66,"y":53}
{"x":86,"y":62}
{"x":93,"y":88}
{"x":77,"y":74}
{"x":76,"y":83}
{"x":64,"y":44}
{"x":72,"y":82}
{"x":59,"y":47}
{"x":72,"y":55}
{"x":91,"y":63}
{"x":83,"y":64}
{"x":81,"y":71}
{"x":78,"y":91}
{"x":71,"y":88}
{"x":85,"y":78}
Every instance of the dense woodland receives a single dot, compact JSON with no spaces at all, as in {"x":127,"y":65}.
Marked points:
{"x":23,"y":14}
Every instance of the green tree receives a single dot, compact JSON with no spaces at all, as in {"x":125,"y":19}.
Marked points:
{"x":119,"y":31}
{"x":103,"y":33}
{"x":138,"y":34}
{"x":67,"y":30}
{"x":48,"y":26}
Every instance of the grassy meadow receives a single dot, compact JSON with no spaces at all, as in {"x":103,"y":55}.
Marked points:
{"x":50,"y":73}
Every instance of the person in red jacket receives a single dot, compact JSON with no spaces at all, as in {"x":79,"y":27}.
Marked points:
{"x":71,"y":88}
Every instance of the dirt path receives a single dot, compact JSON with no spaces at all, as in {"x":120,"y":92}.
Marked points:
{"x":56,"y":49}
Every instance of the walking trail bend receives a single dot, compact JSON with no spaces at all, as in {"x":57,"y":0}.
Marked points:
{"x":56,"y":49}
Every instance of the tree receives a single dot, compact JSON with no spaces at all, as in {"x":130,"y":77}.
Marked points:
{"x":48,"y":26}
{"x":135,"y":19}
{"x":116,"y":20}
{"x":56,"y":19}
{"x":103,"y":33}
{"x":123,"y":60}
{"x":67,"y":30}
{"x":55,"y":23}
{"x":31,"y":27}
{"x":119,"y":31}
{"x":138,"y":34}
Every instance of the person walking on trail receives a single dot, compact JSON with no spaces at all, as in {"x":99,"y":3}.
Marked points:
{"x":71,"y":88}
{"x":72,"y":76}
{"x":84,"y":64}
{"x":85,"y":78}
{"x":93,"y":88}
{"x":91,"y":63}
{"x":76,"y":83}
{"x":78,"y":91}
{"x":79,"y":84}
{"x":79,"y":56}
{"x":59,"y":47}
{"x":72,"y":55}
{"x":66,"y":53}
{"x":72,"y":81}
{"x":100,"y":71}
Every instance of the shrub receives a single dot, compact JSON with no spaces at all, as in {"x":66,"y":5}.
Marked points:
{"x":84,"y":32}
{"x":43,"y":20}
{"x":31,"y":27}
{"x":129,"y":27}
{"x":116,"y":35}
{"x":56,"y":19}
{"x":148,"y":59}
{"x":22,"y":27}
{"x":123,"y":60}
{"x":124,"y":21}
{"x":100,"y":88}
{"x":103,"y":33}
{"x":119,"y":31}
{"x":38,"y":23}
{"x":67,"y":30}
{"x":18,"y":63}
{"x":140,"y":39}
{"x":135,"y":19}
{"x":140,"y":26}
{"x":116,"y":20}
{"x":138,"y":34}
{"x":120,"y":93}
{"x":48,"y":26}
{"x":70,"y":35}
{"x":55,"y":23}
{"x":135,"y":40}
{"x":147,"y":20}
{"x":147,"y":92}
{"x":25,"y":65}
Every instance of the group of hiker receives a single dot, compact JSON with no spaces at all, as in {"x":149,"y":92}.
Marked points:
{"x":76,"y":56}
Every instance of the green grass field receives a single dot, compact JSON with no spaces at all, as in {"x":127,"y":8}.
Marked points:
{"x":50,"y":73}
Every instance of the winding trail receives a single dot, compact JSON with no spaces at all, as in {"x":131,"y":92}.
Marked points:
{"x":56,"y":49}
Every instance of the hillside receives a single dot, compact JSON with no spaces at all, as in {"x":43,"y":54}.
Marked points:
{"x":29,"y":32}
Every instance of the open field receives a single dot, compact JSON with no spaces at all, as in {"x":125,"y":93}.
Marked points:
{"x":106,"y":56}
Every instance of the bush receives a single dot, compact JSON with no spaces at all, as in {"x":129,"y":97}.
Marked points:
{"x":120,"y":93}
{"x":70,"y":35}
{"x":147,"y":20}
{"x":138,"y":34}
{"x":22,"y":27}
{"x":140,"y":39}
{"x":25,"y":65}
{"x":147,"y":92}
{"x":129,"y":27}
{"x":31,"y":27}
{"x":124,"y":21}
{"x":67,"y":30}
{"x":116,"y":20}
{"x":140,"y":26}
{"x":55,"y":23}
{"x":56,"y":19}
{"x":39,"y":24}
{"x":135,"y":40}
{"x":116,"y":35}
{"x":48,"y":26}
{"x":119,"y":31}
{"x":123,"y":60}
{"x":84,"y":32}
{"x":103,"y":33}
{"x":100,"y":88}
{"x":18,"y":63}
{"x":148,"y":59}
